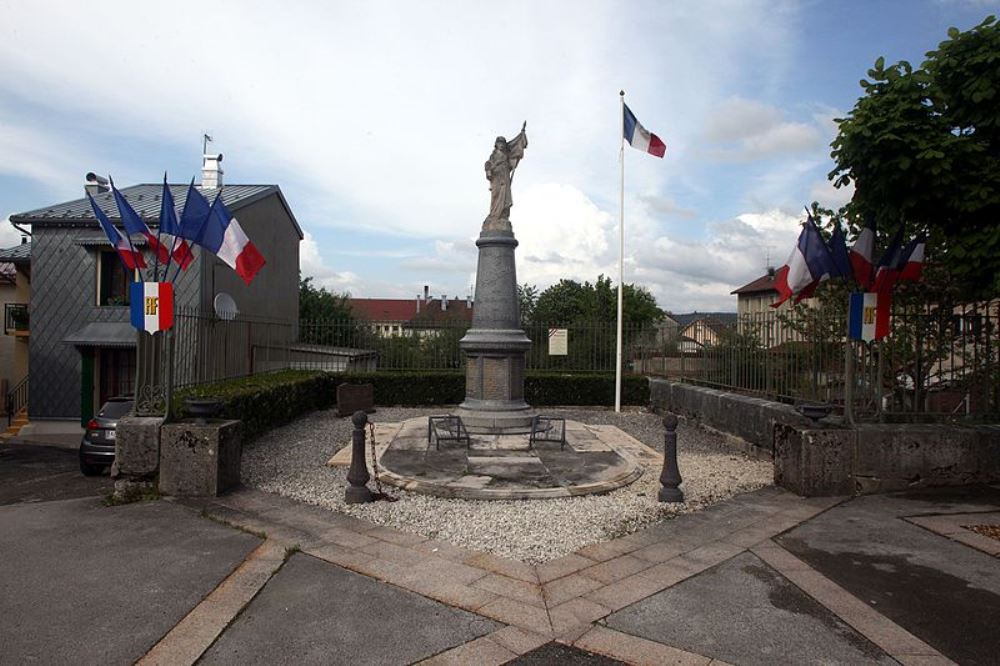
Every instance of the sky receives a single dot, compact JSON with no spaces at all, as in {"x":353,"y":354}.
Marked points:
{"x":375,"y":119}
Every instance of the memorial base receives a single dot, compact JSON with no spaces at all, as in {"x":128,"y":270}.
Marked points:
{"x":200,"y":460}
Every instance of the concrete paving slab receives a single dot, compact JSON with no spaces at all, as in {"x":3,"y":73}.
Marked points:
{"x":556,"y":653}
{"x":744,"y":612}
{"x":84,"y":583}
{"x":941,"y":591}
{"x":312,"y":612}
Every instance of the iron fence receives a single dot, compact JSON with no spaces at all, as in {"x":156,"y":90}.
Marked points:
{"x":937,"y":362}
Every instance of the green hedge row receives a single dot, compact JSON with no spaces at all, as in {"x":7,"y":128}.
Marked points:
{"x":268,"y":400}
{"x":265,"y":401}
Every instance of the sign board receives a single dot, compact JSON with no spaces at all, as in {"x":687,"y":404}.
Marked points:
{"x":151,"y":306}
{"x":861,"y":316}
{"x":558,"y":341}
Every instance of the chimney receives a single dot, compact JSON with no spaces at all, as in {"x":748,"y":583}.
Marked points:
{"x":418,"y":303}
{"x":211,"y":172}
{"x":444,"y":302}
{"x":427,"y":293}
{"x":468,"y":302}
{"x":770,"y":272}
{"x":95,"y":184}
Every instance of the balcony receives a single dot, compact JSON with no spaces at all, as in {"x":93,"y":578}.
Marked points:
{"x":15,"y":319}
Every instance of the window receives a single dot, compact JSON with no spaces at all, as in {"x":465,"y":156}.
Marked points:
{"x":112,"y":279}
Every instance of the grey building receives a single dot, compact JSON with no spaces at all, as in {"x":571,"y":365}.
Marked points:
{"x":82,"y":347}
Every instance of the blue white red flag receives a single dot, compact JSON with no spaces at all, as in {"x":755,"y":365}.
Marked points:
{"x":129,"y":255}
{"x":809,"y":264}
{"x":641,"y":138}
{"x":151,"y":306}
{"x":838,"y":252}
{"x":863,"y":255}
{"x":179,"y":249}
{"x":892,"y":261}
{"x":862,"y":316}
{"x":194,"y":215}
{"x":223,"y":236}
{"x":913,"y":263}
{"x":134,"y":225}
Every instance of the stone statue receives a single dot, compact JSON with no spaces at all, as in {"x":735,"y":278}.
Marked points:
{"x":500,"y":170}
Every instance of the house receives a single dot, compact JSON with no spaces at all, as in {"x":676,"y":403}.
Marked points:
{"x":82,"y":349}
{"x":698,"y":330}
{"x":421,"y":316}
{"x":756,"y":316}
{"x":15,"y":291}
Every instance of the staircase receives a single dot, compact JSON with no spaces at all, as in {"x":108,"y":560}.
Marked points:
{"x":18,"y":421}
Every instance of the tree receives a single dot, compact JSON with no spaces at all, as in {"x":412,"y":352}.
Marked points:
{"x":568,"y":301}
{"x":319,"y":303}
{"x":527,"y":296}
{"x":922,"y":147}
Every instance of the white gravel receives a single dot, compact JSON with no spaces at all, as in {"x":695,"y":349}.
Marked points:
{"x":291,"y":461}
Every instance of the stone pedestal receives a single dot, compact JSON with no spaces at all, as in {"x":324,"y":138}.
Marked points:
{"x":200,"y":460}
{"x":495,"y":346}
{"x":137,"y":456}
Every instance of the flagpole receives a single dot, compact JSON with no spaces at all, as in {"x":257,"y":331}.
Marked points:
{"x":128,"y":237}
{"x":621,"y":254}
{"x":159,"y":230}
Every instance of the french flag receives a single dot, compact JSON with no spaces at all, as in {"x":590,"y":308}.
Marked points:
{"x":863,"y":255}
{"x":180,"y":250}
{"x":913,"y":264}
{"x":152,"y":306}
{"x":893,"y":259}
{"x":134,"y":225}
{"x":130,"y":257}
{"x":641,"y":138}
{"x":808,"y":264}
{"x":222,"y":235}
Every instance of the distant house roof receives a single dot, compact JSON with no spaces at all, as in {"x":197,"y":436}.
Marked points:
{"x":405,"y":309}
{"x":763,"y":284}
{"x":8,"y":274}
{"x":685,"y":320}
{"x":18,"y":254}
{"x":145,"y":199}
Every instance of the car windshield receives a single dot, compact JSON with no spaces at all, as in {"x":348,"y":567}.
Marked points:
{"x":114,"y":409}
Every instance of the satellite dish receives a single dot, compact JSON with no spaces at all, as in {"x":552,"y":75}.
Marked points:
{"x":225,"y":306}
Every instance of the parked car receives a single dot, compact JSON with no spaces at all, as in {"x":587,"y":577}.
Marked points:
{"x":97,"y":449}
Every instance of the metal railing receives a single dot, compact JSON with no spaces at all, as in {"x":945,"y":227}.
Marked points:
{"x":15,"y":318}
{"x":17,"y":399}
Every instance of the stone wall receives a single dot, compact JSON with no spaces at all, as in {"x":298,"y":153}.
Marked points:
{"x":832,"y":459}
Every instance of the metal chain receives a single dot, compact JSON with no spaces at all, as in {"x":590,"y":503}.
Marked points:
{"x":379,"y":493}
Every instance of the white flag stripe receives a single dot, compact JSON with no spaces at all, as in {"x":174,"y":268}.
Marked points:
{"x":233,"y":243}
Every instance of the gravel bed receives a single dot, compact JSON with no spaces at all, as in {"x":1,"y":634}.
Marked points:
{"x":291,"y":461}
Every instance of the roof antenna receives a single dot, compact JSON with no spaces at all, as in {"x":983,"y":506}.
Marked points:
{"x":205,"y":139}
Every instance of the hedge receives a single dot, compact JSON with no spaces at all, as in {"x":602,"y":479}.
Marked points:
{"x":268,"y":400}
{"x":265,"y":401}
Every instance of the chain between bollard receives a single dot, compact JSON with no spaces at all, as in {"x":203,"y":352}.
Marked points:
{"x":379,"y":493}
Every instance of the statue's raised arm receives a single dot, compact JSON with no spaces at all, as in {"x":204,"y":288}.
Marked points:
{"x":499,"y":169}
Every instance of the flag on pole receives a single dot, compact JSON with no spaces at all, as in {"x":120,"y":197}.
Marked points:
{"x":838,"y":252}
{"x":194,"y":215}
{"x":151,"y":306}
{"x":809,"y":264}
{"x":134,"y":225}
{"x":641,"y":138}
{"x":169,"y":225}
{"x":130,"y":257}
{"x":863,"y":254}
{"x":887,"y":271}
{"x":912,"y":267}
{"x":223,"y":236}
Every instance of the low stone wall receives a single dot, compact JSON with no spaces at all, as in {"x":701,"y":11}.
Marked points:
{"x":832,"y":459}
{"x":746,"y":418}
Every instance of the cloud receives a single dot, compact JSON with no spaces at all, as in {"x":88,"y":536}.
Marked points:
{"x":312,"y":265}
{"x":9,"y":236}
{"x":829,"y":196}
{"x":745,"y":130}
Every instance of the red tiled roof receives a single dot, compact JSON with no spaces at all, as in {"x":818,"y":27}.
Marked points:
{"x":385,"y":309}
{"x":764,"y":283}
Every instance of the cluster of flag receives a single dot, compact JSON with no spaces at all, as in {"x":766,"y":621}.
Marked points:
{"x":211,"y":226}
{"x":813,"y":261}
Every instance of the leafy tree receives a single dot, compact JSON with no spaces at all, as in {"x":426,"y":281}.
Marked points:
{"x":527,"y":296}
{"x":326,"y":318}
{"x":569,"y":301}
{"x":922,"y":147}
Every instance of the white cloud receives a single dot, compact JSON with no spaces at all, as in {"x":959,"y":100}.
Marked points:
{"x":829,"y":196}
{"x":745,"y":130}
{"x":312,"y":265}
{"x":9,"y":236}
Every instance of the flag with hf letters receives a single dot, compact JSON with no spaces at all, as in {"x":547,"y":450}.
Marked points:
{"x":152,"y":306}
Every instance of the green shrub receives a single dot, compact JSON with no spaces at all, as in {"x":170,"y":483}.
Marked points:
{"x":264,"y":401}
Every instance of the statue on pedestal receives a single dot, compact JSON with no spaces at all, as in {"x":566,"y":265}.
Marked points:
{"x":500,"y":171}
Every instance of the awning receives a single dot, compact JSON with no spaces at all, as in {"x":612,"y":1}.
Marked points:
{"x":103,"y":334}
{"x":92,"y":240}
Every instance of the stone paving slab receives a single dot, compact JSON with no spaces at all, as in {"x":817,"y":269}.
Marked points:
{"x":314,"y":613}
{"x":955,"y":527}
{"x":85,"y":584}
{"x":937,"y":589}
{"x":767,"y":620}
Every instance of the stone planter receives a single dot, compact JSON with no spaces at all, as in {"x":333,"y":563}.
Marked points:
{"x":200,"y":460}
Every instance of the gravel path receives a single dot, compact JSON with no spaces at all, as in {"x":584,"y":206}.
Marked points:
{"x":291,"y":461}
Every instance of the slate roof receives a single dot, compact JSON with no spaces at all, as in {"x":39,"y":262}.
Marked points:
{"x":145,"y":198}
{"x":763,"y":284}
{"x":684,"y":320}
{"x":103,"y":334}
{"x":18,"y":254}
{"x":8,"y":274}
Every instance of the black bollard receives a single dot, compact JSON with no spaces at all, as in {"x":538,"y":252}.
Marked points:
{"x":670,"y":478}
{"x":357,"y":475}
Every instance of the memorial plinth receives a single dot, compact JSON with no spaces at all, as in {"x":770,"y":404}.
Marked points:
{"x":495,"y":346}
